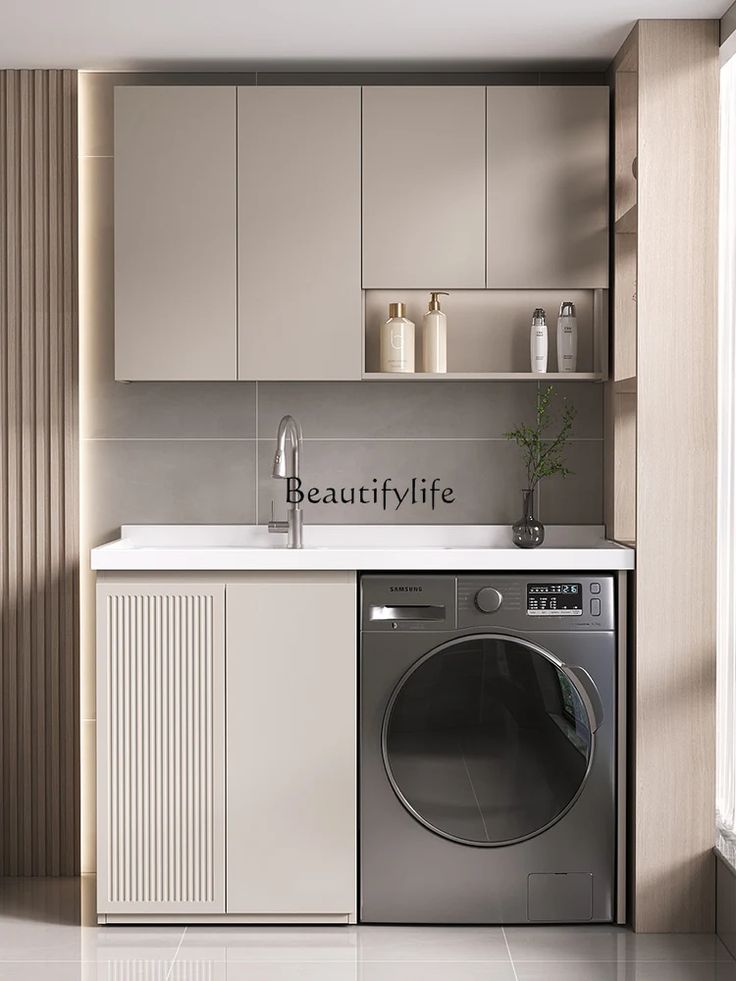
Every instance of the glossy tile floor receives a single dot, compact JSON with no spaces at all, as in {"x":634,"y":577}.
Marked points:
{"x":43,"y":937}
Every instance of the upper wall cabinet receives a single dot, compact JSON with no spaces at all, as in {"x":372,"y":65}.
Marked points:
{"x":548,"y":187}
{"x":300,"y":311}
{"x":175,"y":228}
{"x":424,"y":165}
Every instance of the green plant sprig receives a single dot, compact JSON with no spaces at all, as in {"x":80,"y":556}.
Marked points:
{"x":543,"y":453}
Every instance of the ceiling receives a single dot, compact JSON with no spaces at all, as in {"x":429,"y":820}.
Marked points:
{"x":324,"y":34}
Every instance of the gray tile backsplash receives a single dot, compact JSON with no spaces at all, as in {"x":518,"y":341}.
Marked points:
{"x":185,"y":481}
{"x":187,"y":452}
{"x":484,"y":476}
{"x":389,"y":410}
{"x":577,"y":499}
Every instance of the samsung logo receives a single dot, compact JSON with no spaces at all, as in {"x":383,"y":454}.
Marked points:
{"x":405,"y":589}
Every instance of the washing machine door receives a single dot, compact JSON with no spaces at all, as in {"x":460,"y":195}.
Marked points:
{"x":488,"y":739}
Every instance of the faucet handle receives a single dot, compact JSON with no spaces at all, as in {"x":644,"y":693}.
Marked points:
{"x":277,"y":527}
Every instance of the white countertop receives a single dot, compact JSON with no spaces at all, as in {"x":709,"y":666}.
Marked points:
{"x":358,"y":547}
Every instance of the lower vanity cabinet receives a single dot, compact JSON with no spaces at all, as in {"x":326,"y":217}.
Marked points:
{"x":226,"y":748}
{"x":160,"y":748}
{"x":291,"y":747}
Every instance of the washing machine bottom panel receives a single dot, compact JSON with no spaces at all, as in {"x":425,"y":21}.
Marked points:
{"x":487,"y":886}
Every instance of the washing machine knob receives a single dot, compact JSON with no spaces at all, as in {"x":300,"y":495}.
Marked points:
{"x":488,"y":599}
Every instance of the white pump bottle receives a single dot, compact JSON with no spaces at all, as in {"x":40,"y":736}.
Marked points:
{"x":434,"y":336}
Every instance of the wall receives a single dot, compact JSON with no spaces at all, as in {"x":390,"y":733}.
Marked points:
{"x":39,"y":757}
{"x":201,"y":452}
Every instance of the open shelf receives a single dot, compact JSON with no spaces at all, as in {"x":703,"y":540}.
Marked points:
{"x":488,"y":333}
{"x":550,"y":376}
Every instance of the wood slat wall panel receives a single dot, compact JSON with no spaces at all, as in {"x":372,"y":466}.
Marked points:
{"x":39,"y":561}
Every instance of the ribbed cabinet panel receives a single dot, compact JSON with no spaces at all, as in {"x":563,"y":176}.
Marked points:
{"x":160,"y":748}
{"x":39,"y":620}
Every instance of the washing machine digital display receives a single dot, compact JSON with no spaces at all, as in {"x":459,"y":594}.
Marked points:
{"x":557,"y":599}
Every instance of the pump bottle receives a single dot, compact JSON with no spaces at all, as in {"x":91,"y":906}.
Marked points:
{"x":434,"y":336}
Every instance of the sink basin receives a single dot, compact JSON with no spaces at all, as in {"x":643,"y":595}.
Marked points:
{"x":356,"y":547}
{"x":316,"y":536}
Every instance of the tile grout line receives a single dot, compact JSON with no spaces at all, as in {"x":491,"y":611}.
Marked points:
{"x":317,"y":439}
{"x":176,"y":954}
{"x":508,"y":951}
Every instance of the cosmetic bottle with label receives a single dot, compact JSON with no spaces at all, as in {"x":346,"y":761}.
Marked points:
{"x":567,"y":338}
{"x":397,"y":341}
{"x":538,"y":345}
{"x":434,"y":336}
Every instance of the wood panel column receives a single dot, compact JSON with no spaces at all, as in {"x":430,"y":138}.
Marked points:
{"x":39,"y":558}
{"x":662,"y":455}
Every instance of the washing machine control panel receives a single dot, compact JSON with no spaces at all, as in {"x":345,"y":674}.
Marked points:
{"x":488,"y":599}
{"x":554,"y":599}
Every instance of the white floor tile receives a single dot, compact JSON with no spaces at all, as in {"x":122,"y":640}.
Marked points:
{"x":389,"y":943}
{"x":444,"y":971}
{"x":54,"y":971}
{"x":626,"y":971}
{"x":289,"y":972}
{"x":603,"y":943}
{"x":255,"y":943}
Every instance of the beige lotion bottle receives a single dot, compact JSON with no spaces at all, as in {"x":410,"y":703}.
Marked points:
{"x":397,"y":341}
{"x":434,"y":336}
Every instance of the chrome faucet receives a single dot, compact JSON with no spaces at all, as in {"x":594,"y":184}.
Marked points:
{"x":286,"y":465}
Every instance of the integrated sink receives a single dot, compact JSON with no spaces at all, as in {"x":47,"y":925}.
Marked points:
{"x":357,"y":547}
{"x":316,"y":536}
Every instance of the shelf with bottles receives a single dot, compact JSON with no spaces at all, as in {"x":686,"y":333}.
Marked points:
{"x":488,"y":334}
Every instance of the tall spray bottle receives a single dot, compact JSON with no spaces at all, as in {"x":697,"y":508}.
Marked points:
{"x":539,"y":343}
{"x":567,"y":338}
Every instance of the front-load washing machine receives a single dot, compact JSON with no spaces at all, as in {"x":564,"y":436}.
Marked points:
{"x":487,"y":748}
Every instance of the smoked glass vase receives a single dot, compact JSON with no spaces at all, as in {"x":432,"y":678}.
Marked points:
{"x":527,"y":531}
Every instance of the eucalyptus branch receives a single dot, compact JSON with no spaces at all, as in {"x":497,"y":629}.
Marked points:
{"x":543,"y":456}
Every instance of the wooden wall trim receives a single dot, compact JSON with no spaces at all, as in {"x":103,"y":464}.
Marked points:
{"x":674,"y":671}
{"x":39,"y":555}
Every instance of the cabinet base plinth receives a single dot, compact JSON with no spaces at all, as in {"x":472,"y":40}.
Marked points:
{"x":286,"y":919}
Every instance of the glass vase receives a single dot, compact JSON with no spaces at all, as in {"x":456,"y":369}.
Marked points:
{"x":528,"y":531}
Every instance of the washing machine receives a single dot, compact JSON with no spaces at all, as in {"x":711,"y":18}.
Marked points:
{"x":488,"y":735}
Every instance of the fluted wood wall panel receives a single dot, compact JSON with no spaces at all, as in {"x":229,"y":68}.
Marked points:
{"x":160,"y":748}
{"x":39,"y":622}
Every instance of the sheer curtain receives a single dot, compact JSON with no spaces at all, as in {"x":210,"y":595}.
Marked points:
{"x":726,"y":663}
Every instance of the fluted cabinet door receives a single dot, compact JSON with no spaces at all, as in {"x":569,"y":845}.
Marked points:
{"x":160,"y":752}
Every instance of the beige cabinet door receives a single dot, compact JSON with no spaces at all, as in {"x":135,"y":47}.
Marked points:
{"x":424,"y":161}
{"x":175,"y":233}
{"x":291,"y":746}
{"x":300,"y":304}
{"x":548,"y":187}
{"x":160,"y":748}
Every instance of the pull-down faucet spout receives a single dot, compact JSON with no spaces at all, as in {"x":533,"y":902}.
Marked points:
{"x":285,"y":465}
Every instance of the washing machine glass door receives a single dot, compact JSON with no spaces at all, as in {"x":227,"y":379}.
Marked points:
{"x":487,"y":740}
